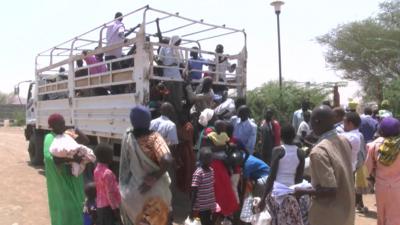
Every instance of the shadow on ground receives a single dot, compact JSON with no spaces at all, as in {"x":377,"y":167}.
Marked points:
{"x":369,"y":214}
{"x":40,"y":168}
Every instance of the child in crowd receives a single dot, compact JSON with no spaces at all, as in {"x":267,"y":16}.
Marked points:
{"x":89,"y":207}
{"x":219,"y":137}
{"x":108,"y":196}
{"x":203,"y":197}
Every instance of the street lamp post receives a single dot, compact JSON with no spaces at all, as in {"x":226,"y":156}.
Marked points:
{"x":277,"y":6}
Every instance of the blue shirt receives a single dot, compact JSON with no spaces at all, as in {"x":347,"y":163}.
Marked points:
{"x":197,"y":65}
{"x":172,"y":61}
{"x":255,"y":168}
{"x":368,"y":127}
{"x":246,"y":132}
{"x":164,"y":126}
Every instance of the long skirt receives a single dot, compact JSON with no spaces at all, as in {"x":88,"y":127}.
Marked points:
{"x":287,"y":212}
{"x":224,"y":194}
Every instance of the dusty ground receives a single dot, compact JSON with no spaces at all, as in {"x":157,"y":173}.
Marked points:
{"x":23,"y":196}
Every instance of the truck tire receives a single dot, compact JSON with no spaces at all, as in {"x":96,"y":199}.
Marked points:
{"x":35,"y":149}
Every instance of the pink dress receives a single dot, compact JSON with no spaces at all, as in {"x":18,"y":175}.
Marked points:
{"x":387,"y":186}
{"x":94,"y":69}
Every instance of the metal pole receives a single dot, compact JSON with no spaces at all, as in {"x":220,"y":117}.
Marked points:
{"x":279,"y":49}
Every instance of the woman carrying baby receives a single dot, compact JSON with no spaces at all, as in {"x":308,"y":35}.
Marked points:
{"x":65,"y":192}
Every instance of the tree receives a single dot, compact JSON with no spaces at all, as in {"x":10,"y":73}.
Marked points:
{"x":392,"y":93}
{"x":3,"y":98}
{"x":285,"y":103}
{"x":367,"y":51}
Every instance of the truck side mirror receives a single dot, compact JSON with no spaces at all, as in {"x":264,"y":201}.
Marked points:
{"x":16,"y":90}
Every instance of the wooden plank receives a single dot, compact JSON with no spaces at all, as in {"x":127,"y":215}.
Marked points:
{"x":122,"y":76}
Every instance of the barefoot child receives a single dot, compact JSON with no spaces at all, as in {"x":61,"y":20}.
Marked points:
{"x":89,"y":207}
{"x":203,"y":198}
{"x":108,"y":197}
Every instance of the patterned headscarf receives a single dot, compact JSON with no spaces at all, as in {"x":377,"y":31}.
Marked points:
{"x":390,"y":149}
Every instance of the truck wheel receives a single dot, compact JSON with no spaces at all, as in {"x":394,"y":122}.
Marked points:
{"x":35,"y":149}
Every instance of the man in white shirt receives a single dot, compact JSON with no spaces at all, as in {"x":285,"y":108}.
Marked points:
{"x":222,"y":64}
{"x":304,"y":127}
{"x":164,"y":126}
{"x":115,"y":35}
{"x":244,"y":128}
{"x":351,"y":123}
{"x":298,"y":114}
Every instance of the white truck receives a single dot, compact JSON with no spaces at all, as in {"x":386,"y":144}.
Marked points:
{"x":105,"y":117}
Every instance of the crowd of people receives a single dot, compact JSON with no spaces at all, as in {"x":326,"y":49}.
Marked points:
{"x":232,"y":169}
{"x":313,"y":170}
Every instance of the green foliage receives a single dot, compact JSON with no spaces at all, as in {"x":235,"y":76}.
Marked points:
{"x":392,"y":93}
{"x":367,"y":51}
{"x":19,"y":119}
{"x":283,"y":104}
{"x":3,"y":98}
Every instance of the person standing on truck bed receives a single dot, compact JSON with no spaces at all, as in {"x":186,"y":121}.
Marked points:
{"x":171,"y":58}
{"x":115,"y":35}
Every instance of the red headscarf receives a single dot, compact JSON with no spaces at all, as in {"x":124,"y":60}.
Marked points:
{"x":54,"y":118}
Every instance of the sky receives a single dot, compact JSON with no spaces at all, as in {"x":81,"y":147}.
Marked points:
{"x":30,"y":27}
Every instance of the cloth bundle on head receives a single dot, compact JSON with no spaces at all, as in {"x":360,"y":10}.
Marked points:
{"x":352,"y":105}
{"x":385,"y":104}
{"x":140,"y":117}
{"x":389,"y":127}
{"x":54,"y":118}
{"x":206,"y":116}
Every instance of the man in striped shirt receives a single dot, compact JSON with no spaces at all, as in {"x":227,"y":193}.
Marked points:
{"x":203,"y":197}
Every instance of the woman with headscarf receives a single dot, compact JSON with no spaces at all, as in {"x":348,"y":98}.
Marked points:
{"x":143,"y":178}
{"x":383,"y":163}
{"x":171,"y":59}
{"x":65,"y":192}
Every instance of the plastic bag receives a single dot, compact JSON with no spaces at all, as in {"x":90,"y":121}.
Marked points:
{"x":226,"y":222}
{"x":195,"y":221}
{"x":247,"y":214}
{"x":261,"y":218}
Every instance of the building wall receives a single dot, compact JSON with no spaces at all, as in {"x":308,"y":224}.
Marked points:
{"x":11,"y":111}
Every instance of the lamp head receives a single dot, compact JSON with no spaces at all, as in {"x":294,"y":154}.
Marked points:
{"x":277,"y":5}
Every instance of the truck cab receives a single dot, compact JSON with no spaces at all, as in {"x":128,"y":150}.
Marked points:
{"x":99,"y":102}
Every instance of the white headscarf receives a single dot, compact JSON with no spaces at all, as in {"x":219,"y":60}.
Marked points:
{"x":176,"y":52}
{"x":206,"y":116}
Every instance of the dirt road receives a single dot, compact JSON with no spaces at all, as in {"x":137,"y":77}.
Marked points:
{"x":23,"y":195}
